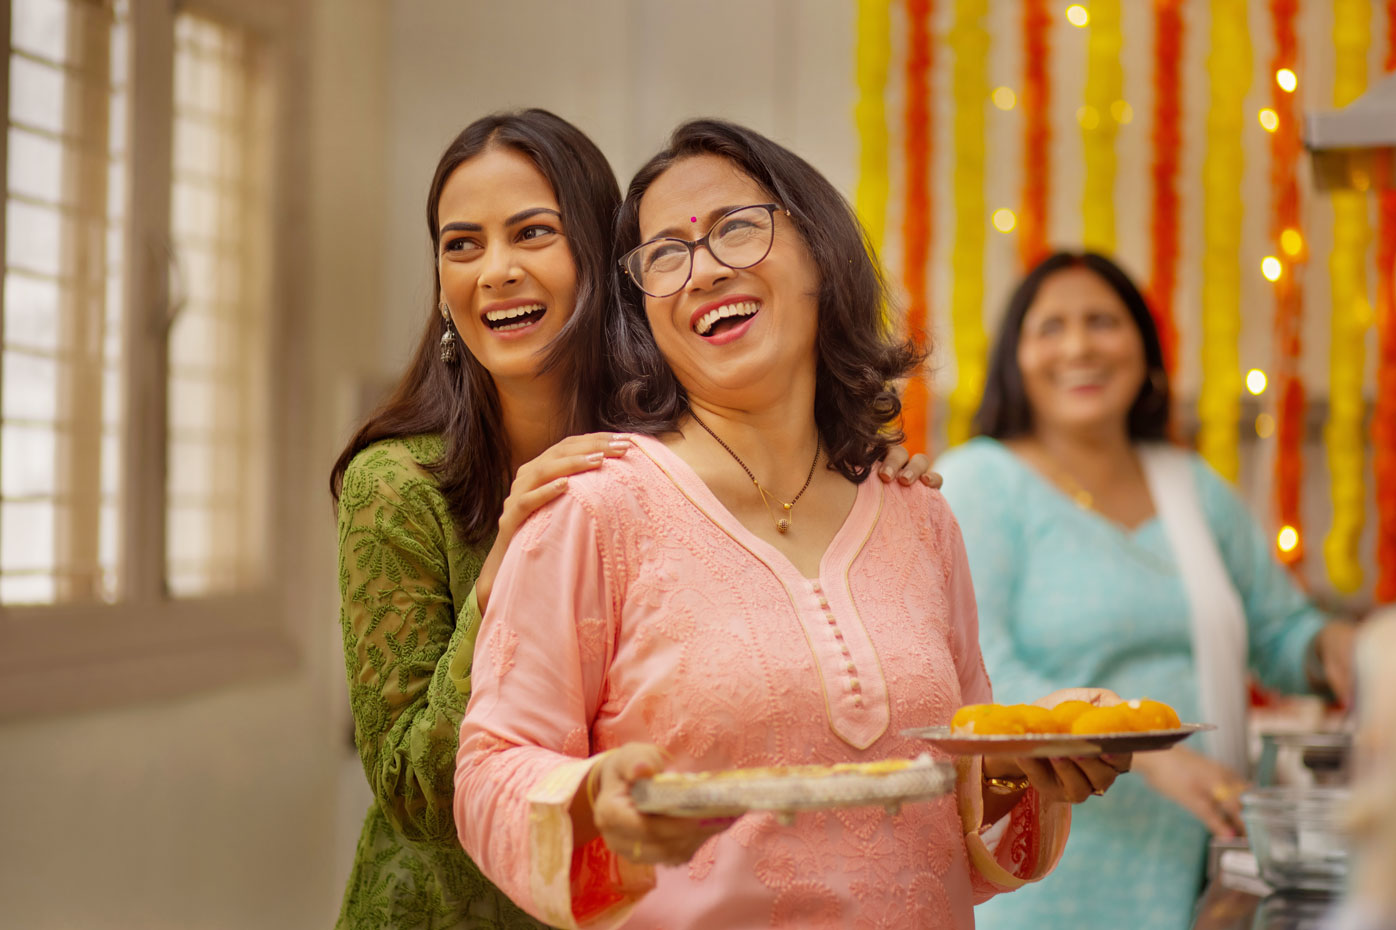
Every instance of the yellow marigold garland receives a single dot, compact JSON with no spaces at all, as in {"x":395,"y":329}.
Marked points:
{"x":1229,"y":74}
{"x":1100,"y":123}
{"x":1347,"y":269}
{"x":870,"y":116}
{"x":969,"y":42}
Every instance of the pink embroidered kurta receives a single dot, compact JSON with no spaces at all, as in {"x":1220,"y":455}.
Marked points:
{"x":636,"y":608}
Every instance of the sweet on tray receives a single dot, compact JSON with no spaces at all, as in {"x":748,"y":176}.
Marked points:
{"x":1073,"y":717}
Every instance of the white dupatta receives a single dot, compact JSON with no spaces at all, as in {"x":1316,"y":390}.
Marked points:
{"x":1218,"y":619}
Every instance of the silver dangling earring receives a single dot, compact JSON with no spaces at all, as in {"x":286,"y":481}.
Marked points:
{"x":449,"y":355}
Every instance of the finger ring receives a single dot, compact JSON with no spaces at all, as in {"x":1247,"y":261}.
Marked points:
{"x":1222,"y":793}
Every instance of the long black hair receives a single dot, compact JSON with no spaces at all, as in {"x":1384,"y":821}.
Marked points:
{"x":860,"y":357}
{"x":1005,"y":412}
{"x":460,"y":401}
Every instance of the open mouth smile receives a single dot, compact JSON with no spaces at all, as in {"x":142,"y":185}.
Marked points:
{"x":511,"y":319}
{"x":725,"y":318}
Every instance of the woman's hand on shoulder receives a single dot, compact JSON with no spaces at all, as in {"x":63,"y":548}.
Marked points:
{"x":1210,"y":791}
{"x":906,"y":469}
{"x":640,"y":837}
{"x":538,"y":482}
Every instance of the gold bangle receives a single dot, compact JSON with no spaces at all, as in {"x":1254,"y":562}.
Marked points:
{"x":1009,"y":785}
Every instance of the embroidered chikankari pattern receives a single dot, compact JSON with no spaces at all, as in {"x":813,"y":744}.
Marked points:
{"x":664,"y":620}
{"x":403,"y":575}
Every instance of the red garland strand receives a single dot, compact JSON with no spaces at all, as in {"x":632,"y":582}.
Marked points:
{"x":1384,"y":417}
{"x":1037,"y":132}
{"x":916,"y":220}
{"x":1168,"y":144}
{"x":1289,"y":303}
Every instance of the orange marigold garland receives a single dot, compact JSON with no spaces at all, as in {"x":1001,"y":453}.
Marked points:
{"x":916,"y":220}
{"x":1384,"y":418}
{"x":1168,"y":145}
{"x":1288,"y":241}
{"x":1037,"y":132}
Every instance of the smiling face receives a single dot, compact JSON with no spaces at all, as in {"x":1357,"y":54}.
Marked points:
{"x":1081,"y":354}
{"x":737,"y":337}
{"x":507,"y":274}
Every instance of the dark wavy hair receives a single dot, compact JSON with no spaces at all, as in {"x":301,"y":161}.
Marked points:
{"x":460,"y":401}
{"x":860,"y":357}
{"x":1005,"y":412}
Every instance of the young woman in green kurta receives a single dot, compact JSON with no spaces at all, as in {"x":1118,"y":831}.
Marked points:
{"x":481,"y":431}
{"x":519,"y":215}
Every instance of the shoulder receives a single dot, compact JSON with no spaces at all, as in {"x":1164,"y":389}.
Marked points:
{"x":975,"y":458}
{"x":980,"y":470}
{"x":620,"y":485}
{"x":394,"y":470}
{"x":920,"y":508}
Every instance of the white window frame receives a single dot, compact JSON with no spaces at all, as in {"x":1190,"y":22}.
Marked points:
{"x":68,"y":657}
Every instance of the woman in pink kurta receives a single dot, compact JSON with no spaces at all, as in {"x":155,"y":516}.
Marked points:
{"x":651,"y":605}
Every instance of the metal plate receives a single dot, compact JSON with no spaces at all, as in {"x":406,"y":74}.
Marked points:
{"x":787,"y":789}
{"x":1054,"y":744}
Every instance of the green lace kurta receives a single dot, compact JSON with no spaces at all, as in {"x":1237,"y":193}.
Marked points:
{"x":404,"y":574}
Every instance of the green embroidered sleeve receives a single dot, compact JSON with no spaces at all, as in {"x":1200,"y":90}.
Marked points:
{"x":398,"y":554}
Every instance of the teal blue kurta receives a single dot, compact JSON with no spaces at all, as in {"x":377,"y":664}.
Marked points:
{"x":1068,"y":598}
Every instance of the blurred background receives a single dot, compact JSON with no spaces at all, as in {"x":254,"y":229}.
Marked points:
{"x":215,"y":262}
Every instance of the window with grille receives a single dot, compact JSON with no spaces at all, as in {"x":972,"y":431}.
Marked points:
{"x":61,"y":403}
{"x":218,"y":346}
{"x":137,"y":345}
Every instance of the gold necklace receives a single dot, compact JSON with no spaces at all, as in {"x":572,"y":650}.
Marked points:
{"x":783,"y":522}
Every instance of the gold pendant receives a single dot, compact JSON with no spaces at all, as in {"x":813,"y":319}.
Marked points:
{"x":783,"y":524}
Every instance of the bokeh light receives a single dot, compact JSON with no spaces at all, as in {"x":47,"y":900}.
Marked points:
{"x":1004,"y":98}
{"x":1270,"y":267}
{"x":1122,"y":111}
{"x":1287,"y":539}
{"x":1287,"y":80}
{"x":1292,"y":242}
{"x":1076,"y":15}
{"x":1269,"y":119}
{"x":1004,"y":220}
{"x":1256,"y":381}
{"x":1264,"y":425}
{"x":1088,"y":117}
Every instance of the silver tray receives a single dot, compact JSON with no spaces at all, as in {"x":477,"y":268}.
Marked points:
{"x":788,"y":789}
{"x":1054,"y":744}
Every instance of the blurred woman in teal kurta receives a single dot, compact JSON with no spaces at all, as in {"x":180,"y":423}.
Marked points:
{"x":1075,"y":558}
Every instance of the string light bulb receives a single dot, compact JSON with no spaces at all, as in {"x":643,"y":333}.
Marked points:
{"x":1004,"y":98}
{"x":1287,"y":80}
{"x":1269,"y":119}
{"x":1256,"y":381}
{"x":1004,"y":220}
{"x":1287,"y":539}
{"x":1076,"y":15}
{"x":1270,"y":267}
{"x":1292,"y":242}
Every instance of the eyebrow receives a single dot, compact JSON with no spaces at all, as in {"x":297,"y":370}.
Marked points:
{"x":672,"y":232}
{"x":516,"y":218}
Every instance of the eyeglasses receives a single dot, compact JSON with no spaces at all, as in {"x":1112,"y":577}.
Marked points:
{"x":739,"y":239}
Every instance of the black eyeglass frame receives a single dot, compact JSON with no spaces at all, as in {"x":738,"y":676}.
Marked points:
{"x":692,"y":247}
